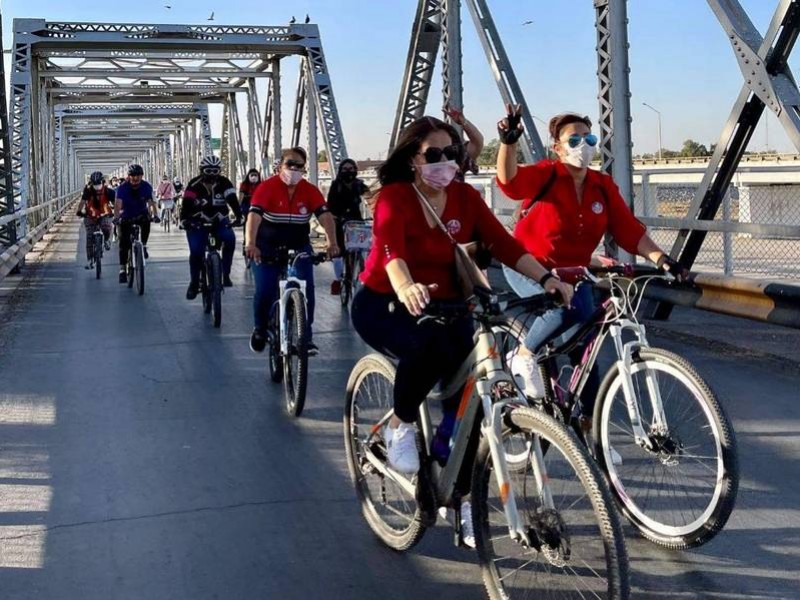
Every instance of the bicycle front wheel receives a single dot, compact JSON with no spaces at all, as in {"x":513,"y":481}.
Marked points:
{"x":139,"y":269}
{"x":577,"y":548}
{"x":347,"y":282}
{"x":98,"y":259}
{"x":215,"y":270}
{"x":295,"y":363}
{"x":390,"y":510}
{"x":679,"y":485}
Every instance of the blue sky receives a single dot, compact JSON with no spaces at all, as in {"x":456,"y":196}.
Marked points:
{"x":681,"y":60}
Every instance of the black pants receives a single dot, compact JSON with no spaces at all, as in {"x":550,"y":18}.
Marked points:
{"x":125,"y":228}
{"x":426,"y":352}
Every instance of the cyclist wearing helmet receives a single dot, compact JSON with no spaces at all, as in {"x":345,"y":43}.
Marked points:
{"x":134,"y":203}
{"x":209,"y":195}
{"x":96,"y":208}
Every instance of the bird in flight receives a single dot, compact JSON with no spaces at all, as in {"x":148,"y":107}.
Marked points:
{"x":527,"y":23}
{"x":168,"y":7}
{"x":308,"y":19}
{"x":211,"y":18}
{"x":293,"y":20}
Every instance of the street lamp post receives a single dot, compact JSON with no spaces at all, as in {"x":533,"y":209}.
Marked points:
{"x":659,"y":127}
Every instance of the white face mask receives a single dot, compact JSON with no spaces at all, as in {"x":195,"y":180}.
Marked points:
{"x":290,"y":177}
{"x":581,"y":155}
{"x":98,"y":187}
{"x":439,"y":175}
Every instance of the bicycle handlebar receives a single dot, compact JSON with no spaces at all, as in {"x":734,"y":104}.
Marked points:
{"x":575,"y":275}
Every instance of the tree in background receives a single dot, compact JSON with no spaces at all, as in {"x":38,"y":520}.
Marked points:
{"x":322,"y":156}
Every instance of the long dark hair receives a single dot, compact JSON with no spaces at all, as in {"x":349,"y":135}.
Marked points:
{"x":398,"y":164}
{"x":346,"y":161}
{"x":250,"y":172}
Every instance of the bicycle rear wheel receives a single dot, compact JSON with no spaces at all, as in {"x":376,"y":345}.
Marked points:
{"x":680,"y":492}
{"x":275,"y":358}
{"x":390,"y":511}
{"x":215,"y":270}
{"x":577,"y":546}
{"x":295,"y":363}
{"x":139,"y":268}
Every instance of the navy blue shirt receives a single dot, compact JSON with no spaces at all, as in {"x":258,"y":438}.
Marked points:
{"x":134,"y":200}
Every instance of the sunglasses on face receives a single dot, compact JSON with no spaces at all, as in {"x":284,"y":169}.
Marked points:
{"x":575,"y":140}
{"x":295,"y":165}
{"x":434,"y":155}
{"x":211,"y":171}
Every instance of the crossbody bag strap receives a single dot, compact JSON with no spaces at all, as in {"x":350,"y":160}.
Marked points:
{"x":427,"y":205}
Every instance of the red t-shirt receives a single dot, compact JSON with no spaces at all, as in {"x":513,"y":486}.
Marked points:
{"x":400,"y":230}
{"x":285,"y":221}
{"x":560,"y":231}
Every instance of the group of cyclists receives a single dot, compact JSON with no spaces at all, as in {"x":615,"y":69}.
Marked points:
{"x":421,"y":208}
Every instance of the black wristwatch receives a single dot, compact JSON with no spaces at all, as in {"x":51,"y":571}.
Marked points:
{"x":547,"y":276}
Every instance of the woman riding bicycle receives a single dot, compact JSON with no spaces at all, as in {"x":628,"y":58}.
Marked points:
{"x":567,"y":208}
{"x":247,"y":188}
{"x":95,"y":206}
{"x":280,"y":213}
{"x":344,"y":202}
{"x":412,"y":261}
{"x":165,"y":193}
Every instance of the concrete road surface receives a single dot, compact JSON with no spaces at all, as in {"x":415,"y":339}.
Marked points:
{"x":144,"y":455}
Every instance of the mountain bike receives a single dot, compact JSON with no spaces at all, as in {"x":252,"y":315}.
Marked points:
{"x":136,"y":259}
{"x":288,"y":329}
{"x":211,"y":288}
{"x":357,"y":242}
{"x":659,"y":432}
{"x":546,"y":529}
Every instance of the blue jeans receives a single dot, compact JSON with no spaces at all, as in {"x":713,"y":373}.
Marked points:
{"x":567,"y":321}
{"x":267,"y":277}
{"x":197,"y":247}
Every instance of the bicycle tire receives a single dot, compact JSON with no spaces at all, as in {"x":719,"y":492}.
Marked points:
{"x":295,"y":363}
{"x":362,"y":378}
{"x":275,"y":359}
{"x":216,"y":289}
{"x":131,"y":271}
{"x":347,"y":282}
{"x":602,"y":529}
{"x":139,"y":269}
{"x":726,"y":481}
{"x":98,"y":259}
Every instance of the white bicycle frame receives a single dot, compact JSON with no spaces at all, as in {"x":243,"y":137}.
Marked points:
{"x":479,"y":374}
{"x":284,"y":287}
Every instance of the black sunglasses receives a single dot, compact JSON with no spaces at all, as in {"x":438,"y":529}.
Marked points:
{"x":434,"y":155}
{"x":295,"y":164}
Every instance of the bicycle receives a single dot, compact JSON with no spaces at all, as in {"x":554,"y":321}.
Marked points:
{"x":167,"y":216}
{"x":357,"y":242}
{"x":548,"y":526}
{"x":288,"y":330}
{"x":211,"y":288}
{"x":136,"y":261}
{"x":659,"y":432}
{"x":97,"y":246}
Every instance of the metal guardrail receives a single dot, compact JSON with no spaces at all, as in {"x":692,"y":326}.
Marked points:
{"x":15,"y":254}
{"x":766,"y":301}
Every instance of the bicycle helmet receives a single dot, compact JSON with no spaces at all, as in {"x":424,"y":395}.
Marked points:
{"x":96,"y":178}
{"x":210,"y":162}
{"x":135,"y":170}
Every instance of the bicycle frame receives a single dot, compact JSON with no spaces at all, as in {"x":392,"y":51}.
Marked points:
{"x":604,"y":323}
{"x":480,"y":374}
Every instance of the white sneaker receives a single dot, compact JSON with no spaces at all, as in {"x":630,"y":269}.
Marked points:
{"x":401,"y":447}
{"x":467,"y":529}
{"x":524,"y":367}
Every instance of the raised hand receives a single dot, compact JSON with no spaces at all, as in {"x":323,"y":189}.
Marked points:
{"x":510,"y":129}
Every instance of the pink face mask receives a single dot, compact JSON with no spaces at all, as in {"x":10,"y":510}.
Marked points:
{"x":290,"y":177}
{"x":439,"y":175}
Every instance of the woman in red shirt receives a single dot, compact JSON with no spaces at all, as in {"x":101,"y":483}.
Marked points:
{"x":412,"y":261}
{"x":575,"y":207}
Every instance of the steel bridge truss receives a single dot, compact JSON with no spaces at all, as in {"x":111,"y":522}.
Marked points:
{"x":99,"y":96}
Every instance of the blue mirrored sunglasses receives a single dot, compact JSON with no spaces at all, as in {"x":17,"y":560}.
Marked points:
{"x":575,"y":140}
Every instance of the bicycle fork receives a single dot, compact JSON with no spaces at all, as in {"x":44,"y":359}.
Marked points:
{"x":625,"y":352}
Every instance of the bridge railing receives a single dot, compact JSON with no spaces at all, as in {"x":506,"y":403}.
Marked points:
{"x":37,"y":220}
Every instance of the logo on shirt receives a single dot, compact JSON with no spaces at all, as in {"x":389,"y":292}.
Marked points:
{"x":219,"y":200}
{"x":597,"y":208}
{"x":453,"y":226}
{"x":303,"y":210}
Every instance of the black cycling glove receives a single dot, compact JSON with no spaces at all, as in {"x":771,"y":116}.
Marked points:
{"x":512,"y":134}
